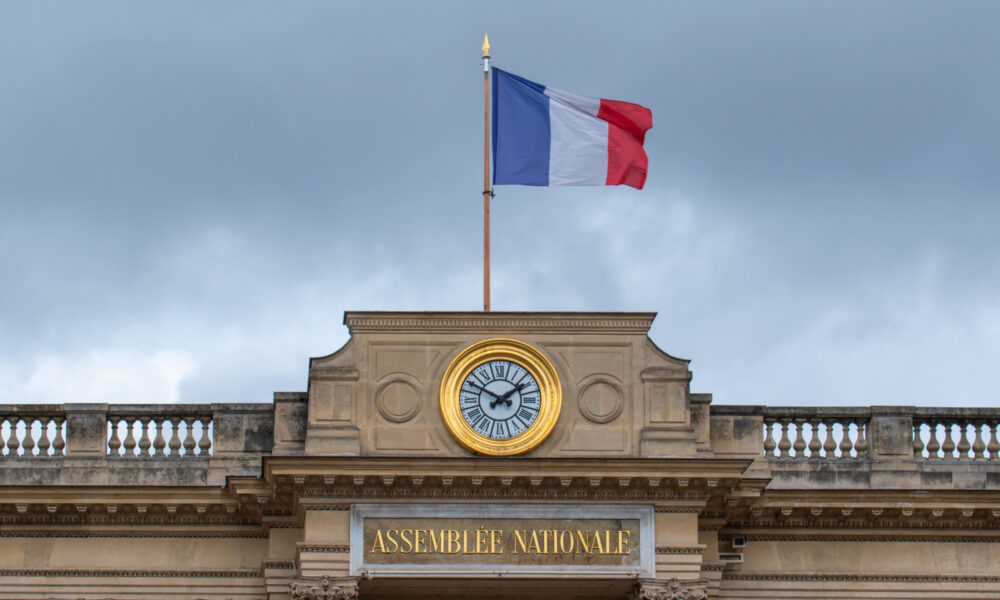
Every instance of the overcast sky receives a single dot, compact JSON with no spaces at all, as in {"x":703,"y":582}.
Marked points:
{"x":192,"y":193}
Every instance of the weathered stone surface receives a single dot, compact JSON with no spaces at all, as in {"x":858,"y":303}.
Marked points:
{"x":747,"y":501}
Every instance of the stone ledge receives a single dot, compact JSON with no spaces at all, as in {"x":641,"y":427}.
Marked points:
{"x":568,"y":322}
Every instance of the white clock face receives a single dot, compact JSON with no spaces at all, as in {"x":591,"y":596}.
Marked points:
{"x":500,"y":399}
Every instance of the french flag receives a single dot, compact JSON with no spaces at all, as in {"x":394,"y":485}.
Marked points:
{"x":544,"y":136}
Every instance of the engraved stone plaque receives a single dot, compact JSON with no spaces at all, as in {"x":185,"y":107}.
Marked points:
{"x":528,"y":540}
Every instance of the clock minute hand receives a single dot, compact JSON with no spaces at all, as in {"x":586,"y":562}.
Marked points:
{"x":505,"y":397}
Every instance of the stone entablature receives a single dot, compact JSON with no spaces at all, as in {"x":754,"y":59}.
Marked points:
{"x":255,"y":500}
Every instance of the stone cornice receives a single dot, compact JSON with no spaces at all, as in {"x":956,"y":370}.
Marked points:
{"x":127,"y":573}
{"x":848,"y":536}
{"x":680,"y":549}
{"x":853,"y":498}
{"x":115,"y":495}
{"x":688,"y":469}
{"x":554,"y":322}
{"x":861,"y":578}
{"x":131,"y":532}
{"x":667,"y":500}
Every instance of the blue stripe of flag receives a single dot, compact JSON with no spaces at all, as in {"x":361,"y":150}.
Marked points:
{"x":521,"y":131}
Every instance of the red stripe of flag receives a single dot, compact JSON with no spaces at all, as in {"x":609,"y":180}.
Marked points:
{"x":628,"y":123}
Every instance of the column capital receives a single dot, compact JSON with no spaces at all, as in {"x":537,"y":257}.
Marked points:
{"x":669,"y":589}
{"x":324,"y":588}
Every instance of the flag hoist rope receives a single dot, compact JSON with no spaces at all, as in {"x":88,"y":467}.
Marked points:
{"x":487,"y":190}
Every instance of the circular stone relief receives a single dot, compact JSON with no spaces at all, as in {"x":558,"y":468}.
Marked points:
{"x":397,"y":401}
{"x":601,"y":401}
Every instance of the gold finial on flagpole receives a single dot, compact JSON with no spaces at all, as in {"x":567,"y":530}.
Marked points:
{"x":486,"y":46}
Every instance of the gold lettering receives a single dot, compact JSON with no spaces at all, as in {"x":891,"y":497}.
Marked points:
{"x":378,"y":545}
{"x":519,"y":539}
{"x":597,"y":548}
{"x":533,"y":543}
{"x":484,"y":540}
{"x":481,"y":534}
{"x":496,"y":539}
{"x":437,"y":541}
{"x":393,"y":546}
{"x":623,"y":541}
{"x":454,"y":547}
{"x":405,"y":538}
{"x":565,"y":546}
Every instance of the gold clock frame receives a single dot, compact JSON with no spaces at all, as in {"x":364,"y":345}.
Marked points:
{"x":550,"y":392}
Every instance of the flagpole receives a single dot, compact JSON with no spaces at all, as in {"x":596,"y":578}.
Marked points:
{"x":487,"y":192}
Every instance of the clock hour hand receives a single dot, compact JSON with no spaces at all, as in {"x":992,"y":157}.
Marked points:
{"x":482,"y":389}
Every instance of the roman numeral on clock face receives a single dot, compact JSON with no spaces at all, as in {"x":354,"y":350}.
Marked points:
{"x":484,"y":425}
{"x":499,"y":369}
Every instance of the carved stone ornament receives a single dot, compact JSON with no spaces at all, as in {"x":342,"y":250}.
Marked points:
{"x":671,"y":589}
{"x":324,"y":588}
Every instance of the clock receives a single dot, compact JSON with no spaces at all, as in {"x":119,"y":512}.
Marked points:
{"x":500,"y":397}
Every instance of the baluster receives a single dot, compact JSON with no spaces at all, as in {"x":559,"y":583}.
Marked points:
{"x":814,"y":444}
{"x":993,"y":447}
{"x":948,"y":447}
{"x":829,"y":446}
{"x":12,"y":442}
{"x":800,"y":438}
{"x":43,"y":440}
{"x":130,"y":441}
{"x":29,"y":438}
{"x":144,"y":441}
{"x":978,"y":445}
{"x":845,"y":439}
{"x":59,"y":443}
{"x":114,"y":442}
{"x":159,"y":442}
{"x":862,"y":444}
{"x":175,"y":439}
{"x":784,"y":444}
{"x":963,"y":441}
{"x":918,"y":440}
{"x":932,"y":443}
{"x":189,"y":443}
{"x":205,"y":443}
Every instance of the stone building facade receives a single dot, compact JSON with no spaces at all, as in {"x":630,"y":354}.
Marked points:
{"x":377,"y":483}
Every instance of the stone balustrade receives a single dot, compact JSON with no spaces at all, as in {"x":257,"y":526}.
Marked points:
{"x":878,"y":432}
{"x":956,"y":434}
{"x":176,"y":431}
{"x":130,"y":431}
{"x":827,"y":434}
{"x":32,"y":431}
{"x":777,"y":434}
